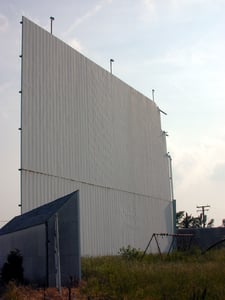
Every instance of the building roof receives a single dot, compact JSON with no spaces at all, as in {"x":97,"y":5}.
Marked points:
{"x":35,"y":216}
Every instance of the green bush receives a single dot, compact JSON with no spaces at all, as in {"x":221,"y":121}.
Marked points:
{"x":130,"y":253}
{"x":12,"y":270}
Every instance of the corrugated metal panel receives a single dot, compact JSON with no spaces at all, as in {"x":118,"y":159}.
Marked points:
{"x":110,"y":219}
{"x":84,"y":128}
{"x":33,"y":252}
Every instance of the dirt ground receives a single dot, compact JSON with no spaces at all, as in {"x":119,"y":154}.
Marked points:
{"x":27,"y":293}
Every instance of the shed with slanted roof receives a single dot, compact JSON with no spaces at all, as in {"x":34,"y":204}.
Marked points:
{"x":48,"y":238}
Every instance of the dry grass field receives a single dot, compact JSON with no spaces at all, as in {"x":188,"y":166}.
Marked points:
{"x":179,"y":276}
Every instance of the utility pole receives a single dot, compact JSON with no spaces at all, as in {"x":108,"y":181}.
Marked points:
{"x":203,"y":210}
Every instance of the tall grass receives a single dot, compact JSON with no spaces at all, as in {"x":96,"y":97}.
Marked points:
{"x":176,"y":277}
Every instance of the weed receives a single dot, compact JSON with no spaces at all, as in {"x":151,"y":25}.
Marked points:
{"x":130,"y":253}
{"x":180,"y":276}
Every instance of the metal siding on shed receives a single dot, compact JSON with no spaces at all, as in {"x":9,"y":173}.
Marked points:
{"x":36,"y":240}
{"x":83,"y":128}
{"x":32,"y":249}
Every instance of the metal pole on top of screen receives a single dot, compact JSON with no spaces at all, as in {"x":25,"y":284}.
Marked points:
{"x":51,"y":19}
{"x":153,"y":93}
{"x":111,"y":61}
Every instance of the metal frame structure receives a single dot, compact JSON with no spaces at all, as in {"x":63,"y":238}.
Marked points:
{"x":174,"y":237}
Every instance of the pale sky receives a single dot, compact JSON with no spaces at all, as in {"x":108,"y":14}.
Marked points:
{"x":175,"y":47}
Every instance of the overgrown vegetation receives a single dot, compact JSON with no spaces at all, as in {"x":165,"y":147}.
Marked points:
{"x":12,"y":270}
{"x":15,"y":292}
{"x":130,"y":253}
{"x":179,"y":276}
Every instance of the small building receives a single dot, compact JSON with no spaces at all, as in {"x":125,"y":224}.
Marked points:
{"x":48,"y":238}
{"x":204,"y":238}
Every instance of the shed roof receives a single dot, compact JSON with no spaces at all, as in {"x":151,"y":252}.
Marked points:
{"x":35,"y":216}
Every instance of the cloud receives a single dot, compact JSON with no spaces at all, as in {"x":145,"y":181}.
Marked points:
{"x":4,"y":87}
{"x":199,"y":174}
{"x":178,"y":11}
{"x":151,"y":6}
{"x":178,"y":4}
{"x":9,"y":108}
{"x":3,"y":23}
{"x":199,"y":162}
{"x":205,"y":52}
{"x":93,"y":11}
{"x":175,"y":57}
{"x":150,"y":11}
{"x":218,"y":173}
{"x":76,"y":45}
{"x":187,"y":56}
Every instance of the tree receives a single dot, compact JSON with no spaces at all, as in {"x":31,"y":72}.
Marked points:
{"x":13,"y":268}
{"x":187,"y":221}
{"x":183,"y":220}
{"x":179,"y":218}
{"x":210,"y":223}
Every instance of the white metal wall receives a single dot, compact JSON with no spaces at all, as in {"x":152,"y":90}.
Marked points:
{"x":84,"y":128}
